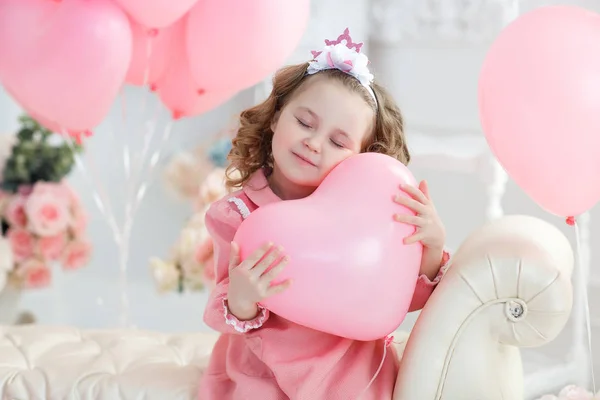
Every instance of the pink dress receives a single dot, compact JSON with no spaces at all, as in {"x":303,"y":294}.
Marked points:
{"x":271,"y":358}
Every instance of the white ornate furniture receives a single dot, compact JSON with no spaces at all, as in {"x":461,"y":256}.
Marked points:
{"x":508,"y":287}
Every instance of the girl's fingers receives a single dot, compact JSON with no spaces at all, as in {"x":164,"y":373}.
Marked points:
{"x":410,"y":219}
{"x":415,"y":193}
{"x":280,"y":287}
{"x":412,"y":204}
{"x":417,"y":237}
{"x":266,"y":262}
{"x":234,"y":257}
{"x":256,"y":256}
{"x":269,"y":276}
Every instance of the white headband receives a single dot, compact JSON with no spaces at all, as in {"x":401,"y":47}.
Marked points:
{"x":346,"y":57}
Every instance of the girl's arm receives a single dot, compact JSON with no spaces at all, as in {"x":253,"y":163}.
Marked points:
{"x":222,"y":222}
{"x":426,"y":285}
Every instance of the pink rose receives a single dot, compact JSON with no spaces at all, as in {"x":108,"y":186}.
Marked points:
{"x":204,"y":252}
{"x":76,"y":254}
{"x":72,"y":195}
{"x":35,"y":273}
{"x":21,"y":242}
{"x":25,"y":190}
{"x":209,"y":273}
{"x":573,"y":392}
{"x":15,"y":211}
{"x":78,"y":220}
{"x":47,"y":211}
{"x":56,"y":189}
{"x":51,"y":247}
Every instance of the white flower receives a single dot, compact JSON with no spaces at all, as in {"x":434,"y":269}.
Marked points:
{"x":213,"y":187}
{"x":166,"y":275}
{"x":184,"y":173}
{"x":186,"y":244}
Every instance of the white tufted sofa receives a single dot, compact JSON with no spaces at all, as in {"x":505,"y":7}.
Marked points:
{"x":508,"y":286}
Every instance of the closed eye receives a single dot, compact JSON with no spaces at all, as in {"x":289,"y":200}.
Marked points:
{"x":336,"y":144}
{"x":302,"y":123}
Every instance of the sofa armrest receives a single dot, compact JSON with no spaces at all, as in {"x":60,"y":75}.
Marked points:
{"x":509,"y":286}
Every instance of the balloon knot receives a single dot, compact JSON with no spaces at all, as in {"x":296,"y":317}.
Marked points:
{"x":153,"y":87}
{"x":200,"y":92}
{"x":153,"y":32}
{"x":570,"y":221}
{"x":389,"y":340}
{"x":79,"y":135}
{"x":177,"y":114}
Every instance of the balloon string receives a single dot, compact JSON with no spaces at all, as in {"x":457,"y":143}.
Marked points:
{"x":140,"y":158}
{"x":364,"y":391}
{"x":154,"y":158}
{"x":126,"y":149}
{"x":99,"y":196}
{"x":581,"y":274}
{"x":151,"y":35}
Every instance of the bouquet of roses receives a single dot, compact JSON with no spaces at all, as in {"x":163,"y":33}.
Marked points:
{"x":42,"y":218}
{"x":45,"y":224}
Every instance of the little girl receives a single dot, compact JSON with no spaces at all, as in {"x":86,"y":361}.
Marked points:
{"x":318,"y":114}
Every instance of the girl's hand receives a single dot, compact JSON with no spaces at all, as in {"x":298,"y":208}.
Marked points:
{"x":430,"y":230}
{"x":249,"y":281}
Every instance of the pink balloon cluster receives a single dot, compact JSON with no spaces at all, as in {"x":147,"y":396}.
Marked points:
{"x":539,"y":101}
{"x":65,"y":61}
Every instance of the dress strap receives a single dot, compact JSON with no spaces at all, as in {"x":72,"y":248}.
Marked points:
{"x":241,"y":206}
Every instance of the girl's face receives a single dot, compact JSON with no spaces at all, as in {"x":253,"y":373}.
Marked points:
{"x":323,"y":124}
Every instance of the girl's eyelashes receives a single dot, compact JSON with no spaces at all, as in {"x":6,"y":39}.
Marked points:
{"x":302,"y":123}
{"x":337,"y":144}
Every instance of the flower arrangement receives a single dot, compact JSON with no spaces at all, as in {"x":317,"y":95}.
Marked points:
{"x":42,"y":218}
{"x":572,"y":392}
{"x":199,"y":177}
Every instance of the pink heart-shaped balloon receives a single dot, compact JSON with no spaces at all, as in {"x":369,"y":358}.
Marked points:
{"x":70,"y":61}
{"x":352,"y":275}
{"x":156,"y":13}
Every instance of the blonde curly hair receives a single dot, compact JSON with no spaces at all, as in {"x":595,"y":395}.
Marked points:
{"x":251,"y":148}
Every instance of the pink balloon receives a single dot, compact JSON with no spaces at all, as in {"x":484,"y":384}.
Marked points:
{"x":236,"y":44}
{"x":150,"y":54}
{"x":352,"y":275}
{"x":156,"y":13}
{"x":48,"y":124}
{"x":70,"y":62}
{"x":539,"y":100}
{"x":178,"y":90}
